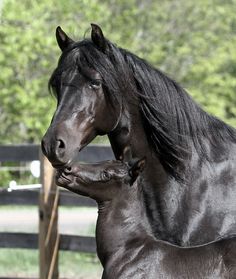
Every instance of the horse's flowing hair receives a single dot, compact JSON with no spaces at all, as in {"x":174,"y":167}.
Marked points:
{"x":173,"y":122}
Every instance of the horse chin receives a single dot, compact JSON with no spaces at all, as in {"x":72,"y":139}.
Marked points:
{"x":60,"y":165}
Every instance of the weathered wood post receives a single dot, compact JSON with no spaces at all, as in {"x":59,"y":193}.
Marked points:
{"x":48,"y":222}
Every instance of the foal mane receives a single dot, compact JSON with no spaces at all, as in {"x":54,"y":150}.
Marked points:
{"x":173,"y":122}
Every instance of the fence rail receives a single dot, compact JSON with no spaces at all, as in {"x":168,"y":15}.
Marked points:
{"x":72,"y":243}
{"x":27,"y":153}
{"x":31,"y":197}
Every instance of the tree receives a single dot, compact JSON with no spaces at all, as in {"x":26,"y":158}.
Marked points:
{"x":28,"y":55}
{"x":192,"y":41}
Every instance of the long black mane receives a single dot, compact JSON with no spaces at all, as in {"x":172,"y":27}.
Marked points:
{"x":174,"y":123}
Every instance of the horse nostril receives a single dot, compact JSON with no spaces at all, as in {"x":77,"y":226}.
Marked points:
{"x":54,"y":149}
{"x":60,"y":149}
{"x":68,"y":170}
{"x":61,"y":144}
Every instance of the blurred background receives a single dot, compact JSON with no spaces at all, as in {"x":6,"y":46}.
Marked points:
{"x":194,"y":42}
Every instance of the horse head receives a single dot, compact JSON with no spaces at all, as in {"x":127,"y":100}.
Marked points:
{"x":84,"y":107}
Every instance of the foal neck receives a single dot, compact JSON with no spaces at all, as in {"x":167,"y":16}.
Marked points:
{"x":121,"y":222}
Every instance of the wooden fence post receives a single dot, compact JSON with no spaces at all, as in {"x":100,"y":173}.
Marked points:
{"x":48,"y":222}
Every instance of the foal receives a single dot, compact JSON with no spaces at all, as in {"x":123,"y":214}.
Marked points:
{"x":125,"y":243}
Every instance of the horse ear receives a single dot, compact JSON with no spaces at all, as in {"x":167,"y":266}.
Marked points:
{"x":98,"y":38}
{"x":136,"y":168}
{"x":62,"y":39}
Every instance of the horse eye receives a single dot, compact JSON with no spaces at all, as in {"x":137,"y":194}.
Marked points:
{"x":95,"y":84}
{"x":105,"y":175}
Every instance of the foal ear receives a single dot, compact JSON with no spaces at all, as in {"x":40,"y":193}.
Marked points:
{"x":98,"y":37}
{"x":136,"y":168}
{"x":62,"y":39}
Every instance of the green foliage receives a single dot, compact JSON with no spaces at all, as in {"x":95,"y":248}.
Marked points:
{"x":6,"y":177}
{"x":192,"y":41}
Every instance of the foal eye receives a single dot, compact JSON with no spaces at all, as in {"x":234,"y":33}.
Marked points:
{"x":105,"y":175}
{"x":95,"y":84}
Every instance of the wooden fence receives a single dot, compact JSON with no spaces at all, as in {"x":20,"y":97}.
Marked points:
{"x":48,"y":198}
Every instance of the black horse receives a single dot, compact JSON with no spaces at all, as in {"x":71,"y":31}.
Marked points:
{"x":125,"y":243}
{"x":190,"y":178}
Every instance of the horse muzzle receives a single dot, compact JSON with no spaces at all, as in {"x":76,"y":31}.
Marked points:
{"x":57,"y":150}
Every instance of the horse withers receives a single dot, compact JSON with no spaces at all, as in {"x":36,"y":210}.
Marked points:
{"x":126,"y":245}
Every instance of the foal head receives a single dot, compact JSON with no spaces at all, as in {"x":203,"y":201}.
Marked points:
{"x":101,"y":181}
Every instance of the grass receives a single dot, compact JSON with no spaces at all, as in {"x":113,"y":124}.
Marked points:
{"x":24,"y":263}
{"x":78,"y":265}
{"x":18,"y":262}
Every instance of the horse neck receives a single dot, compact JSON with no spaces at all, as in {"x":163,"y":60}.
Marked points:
{"x":121,"y":221}
{"x":130,"y":132}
